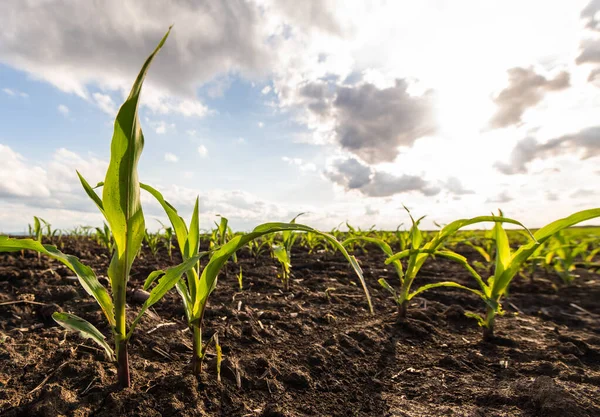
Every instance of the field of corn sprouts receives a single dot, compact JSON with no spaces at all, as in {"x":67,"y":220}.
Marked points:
{"x":287,"y":320}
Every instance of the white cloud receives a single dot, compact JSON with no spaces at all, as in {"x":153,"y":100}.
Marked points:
{"x":105,"y":103}
{"x":160,"y":127}
{"x":13,"y":93}
{"x":191,"y":132}
{"x":241,"y":141}
{"x":64,"y":110}
{"x":303,"y":166}
{"x":266,"y":89}
{"x":202,"y":151}
{"x":169,"y":157}
{"x":261,"y":124}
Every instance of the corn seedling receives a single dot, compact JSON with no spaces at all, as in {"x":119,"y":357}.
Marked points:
{"x":104,"y":238}
{"x":168,"y":236}
{"x":283,"y":254}
{"x":152,"y":240}
{"x":312,"y":241}
{"x":259,"y":246}
{"x":418,"y":254}
{"x":199,"y":285}
{"x":120,"y":205}
{"x":240,"y":278}
{"x":508,"y":264}
{"x":562,"y":257}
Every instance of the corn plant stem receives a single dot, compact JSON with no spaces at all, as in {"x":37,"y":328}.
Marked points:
{"x":404,"y":295}
{"x":197,"y":347}
{"x":197,"y":343}
{"x":488,"y":328}
{"x":121,"y":335}
{"x":123,"y":375}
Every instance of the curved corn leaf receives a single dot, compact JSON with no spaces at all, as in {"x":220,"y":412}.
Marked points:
{"x":84,"y":274}
{"x":446,"y":284}
{"x":121,"y":191}
{"x":85,"y":329}
{"x":448,"y":231}
{"x":169,"y":279}
{"x":388,"y":287}
{"x":91,"y":193}
{"x":177,"y":222}
{"x":219,"y":257}
{"x":463,"y":261}
{"x":282,"y":255}
{"x":383,"y":246}
{"x":153,"y":276}
{"x":524,"y":252}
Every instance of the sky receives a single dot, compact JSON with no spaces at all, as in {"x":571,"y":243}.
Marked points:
{"x":346,"y":110}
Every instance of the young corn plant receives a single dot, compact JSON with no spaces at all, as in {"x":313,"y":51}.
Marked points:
{"x":312,"y":241}
{"x":509,"y":263}
{"x":120,"y":205}
{"x":562,"y":257}
{"x":201,"y":282}
{"x":168,"y":237}
{"x":152,"y":240}
{"x":104,"y":238}
{"x":283,"y":254}
{"x":419,"y":252}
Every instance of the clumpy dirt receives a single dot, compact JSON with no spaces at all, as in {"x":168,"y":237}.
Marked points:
{"x":314,"y":351}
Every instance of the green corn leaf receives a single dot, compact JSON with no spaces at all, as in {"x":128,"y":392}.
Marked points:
{"x":121,"y":191}
{"x":463,"y":261}
{"x":502,"y":250}
{"x":193,"y":239}
{"x":169,"y":279}
{"x":91,"y":193}
{"x":477,"y":317}
{"x":282,"y":256}
{"x":481,"y":251}
{"x":84,"y":274}
{"x":219,"y":257}
{"x":154,"y":275}
{"x":448,"y":231}
{"x":387,"y":286}
{"x":85,"y":329}
{"x":543,"y":234}
{"x":383,"y":246}
{"x":445,"y":284}
{"x":177,"y":222}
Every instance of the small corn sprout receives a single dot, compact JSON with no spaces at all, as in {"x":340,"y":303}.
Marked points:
{"x":562,"y":257}
{"x":283,"y":254}
{"x":201,"y":283}
{"x":104,"y":238}
{"x":509,"y":263}
{"x":152,"y":240}
{"x":168,"y":236}
{"x":418,"y":254}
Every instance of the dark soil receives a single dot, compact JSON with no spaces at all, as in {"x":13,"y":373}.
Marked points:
{"x":315,"y":351}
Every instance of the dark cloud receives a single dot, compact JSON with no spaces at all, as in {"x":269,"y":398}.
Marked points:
{"x":585,"y":142}
{"x":454,"y":186}
{"x":588,"y":14}
{"x":72,"y":44}
{"x":354,"y":175}
{"x":371,"y":122}
{"x":525,"y":89}
{"x":503,"y":197}
{"x":590,"y":52}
